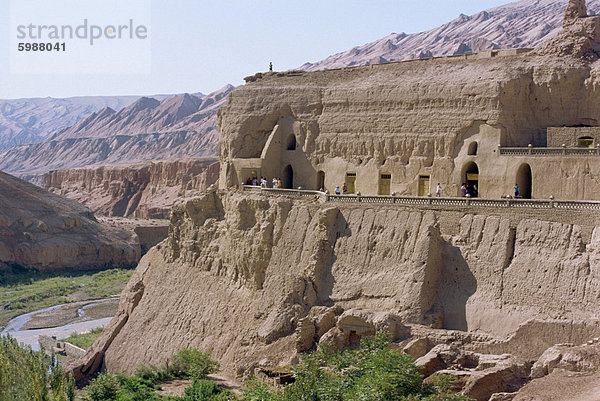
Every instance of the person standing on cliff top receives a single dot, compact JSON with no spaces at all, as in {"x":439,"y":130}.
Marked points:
{"x":271,"y":67}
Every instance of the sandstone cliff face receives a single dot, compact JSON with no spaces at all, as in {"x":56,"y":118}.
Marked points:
{"x":44,"y":231}
{"x":249,"y":269}
{"x":394,"y":117}
{"x":143,"y":190}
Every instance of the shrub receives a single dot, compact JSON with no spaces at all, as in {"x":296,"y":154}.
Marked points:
{"x":192,"y":363}
{"x":206,"y":390}
{"x":373,"y":373}
{"x":103,"y":388}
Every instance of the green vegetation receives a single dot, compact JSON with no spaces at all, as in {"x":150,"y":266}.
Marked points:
{"x":31,"y":375}
{"x":375,"y":372}
{"x":84,"y":340}
{"x":187,"y":363}
{"x":23,"y":291}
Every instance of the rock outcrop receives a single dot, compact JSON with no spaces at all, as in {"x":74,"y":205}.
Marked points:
{"x":277,"y":275}
{"x":46,"y":232}
{"x":142,"y":190}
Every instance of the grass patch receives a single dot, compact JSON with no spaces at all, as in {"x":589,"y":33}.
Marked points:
{"x":85,"y":340}
{"x":23,"y":291}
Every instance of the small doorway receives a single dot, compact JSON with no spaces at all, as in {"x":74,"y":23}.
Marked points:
{"x":585,"y":142}
{"x":524,"y":181}
{"x":351,"y":183}
{"x":471,"y":179}
{"x":385,"y":183}
{"x":424,"y":185}
{"x":321,"y":181}
{"x":288,"y":177}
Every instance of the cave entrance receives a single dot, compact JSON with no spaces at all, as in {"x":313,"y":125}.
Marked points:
{"x":321,"y":181}
{"x":524,"y":181}
{"x":288,"y":177}
{"x":471,"y":179}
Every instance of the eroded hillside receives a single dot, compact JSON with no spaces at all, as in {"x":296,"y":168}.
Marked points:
{"x":249,"y":270}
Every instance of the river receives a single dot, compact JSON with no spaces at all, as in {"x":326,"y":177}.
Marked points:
{"x":80,"y":321}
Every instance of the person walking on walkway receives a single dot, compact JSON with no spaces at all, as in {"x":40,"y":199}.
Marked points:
{"x":516,"y":191}
{"x":337,"y":190}
{"x":438,"y":190}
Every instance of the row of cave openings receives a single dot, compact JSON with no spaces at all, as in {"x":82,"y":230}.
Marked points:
{"x":470,"y":176}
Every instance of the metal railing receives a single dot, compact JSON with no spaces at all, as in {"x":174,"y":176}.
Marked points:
{"x":430,"y":201}
{"x":556,"y":151}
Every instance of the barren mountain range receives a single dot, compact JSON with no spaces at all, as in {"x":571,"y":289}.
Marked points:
{"x":178,"y":126}
{"x":25,"y":121}
{"x":525,"y":23}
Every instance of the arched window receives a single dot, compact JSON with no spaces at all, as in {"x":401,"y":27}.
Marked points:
{"x":585,"y":142}
{"x":472,"y":151}
{"x":524,"y":181}
{"x":291,"y":142}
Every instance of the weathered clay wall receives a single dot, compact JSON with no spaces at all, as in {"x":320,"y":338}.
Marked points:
{"x":248,"y":268}
{"x":144,"y":190}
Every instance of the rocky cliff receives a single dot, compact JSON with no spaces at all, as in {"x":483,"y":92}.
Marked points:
{"x":407,"y":116}
{"x":142,"y":190}
{"x":525,"y":23}
{"x":46,"y":232}
{"x":254,"y":273}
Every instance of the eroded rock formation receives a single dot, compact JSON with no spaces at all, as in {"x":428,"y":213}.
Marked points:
{"x":142,"y":190}
{"x":259,"y":279}
{"x":46,"y":232}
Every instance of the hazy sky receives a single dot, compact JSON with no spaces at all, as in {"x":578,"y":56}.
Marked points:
{"x":199,"y":46}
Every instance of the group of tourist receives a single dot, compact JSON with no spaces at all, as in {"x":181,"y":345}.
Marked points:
{"x":468,"y":189}
{"x":263,"y":182}
{"x":343,"y":191}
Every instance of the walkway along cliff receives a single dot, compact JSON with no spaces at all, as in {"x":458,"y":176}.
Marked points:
{"x":259,"y":278}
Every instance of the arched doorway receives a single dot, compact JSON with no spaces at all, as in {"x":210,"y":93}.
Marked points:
{"x":471,"y":179}
{"x":288,"y":177}
{"x":321,"y":181}
{"x":524,"y":181}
